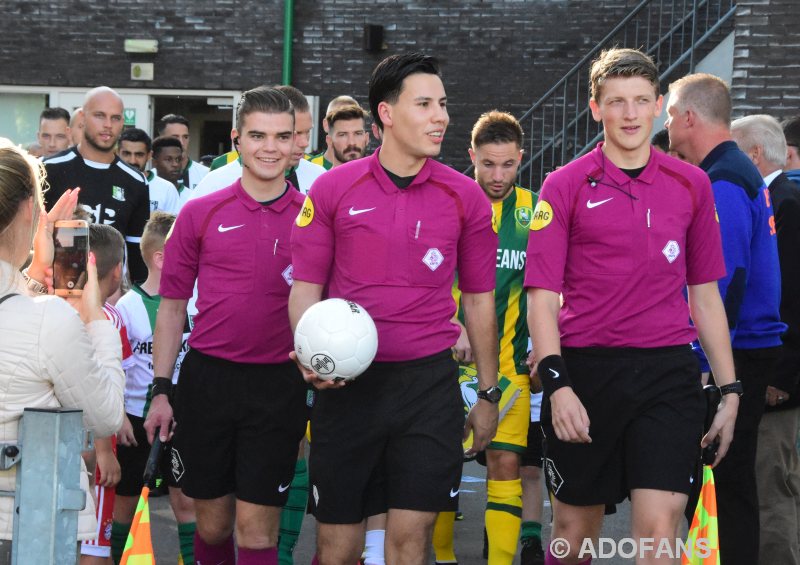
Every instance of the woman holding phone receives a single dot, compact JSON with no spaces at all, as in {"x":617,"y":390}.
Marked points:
{"x":51,"y":354}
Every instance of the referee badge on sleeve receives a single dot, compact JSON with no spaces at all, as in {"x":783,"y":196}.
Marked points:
{"x":542,"y":215}
{"x":306,"y":213}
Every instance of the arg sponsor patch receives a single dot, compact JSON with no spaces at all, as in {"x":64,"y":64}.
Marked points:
{"x":542,"y":215}
{"x":306,"y":213}
{"x":118,"y":193}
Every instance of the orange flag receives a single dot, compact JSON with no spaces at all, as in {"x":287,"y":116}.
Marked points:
{"x":139,"y":546}
{"x":702,"y":543}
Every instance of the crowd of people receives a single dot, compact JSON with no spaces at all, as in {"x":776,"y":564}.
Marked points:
{"x":588,"y":315}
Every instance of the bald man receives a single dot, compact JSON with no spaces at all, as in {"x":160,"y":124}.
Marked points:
{"x":699,"y":121}
{"x":113,"y":192}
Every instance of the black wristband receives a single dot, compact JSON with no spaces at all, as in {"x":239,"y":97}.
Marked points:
{"x":161,"y":385}
{"x":553,"y":374}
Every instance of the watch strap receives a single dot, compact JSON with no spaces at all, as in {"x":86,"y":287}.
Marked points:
{"x":491,"y":394}
{"x":732,"y":388}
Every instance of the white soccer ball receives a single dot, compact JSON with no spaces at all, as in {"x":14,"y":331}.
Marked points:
{"x":336,"y":339}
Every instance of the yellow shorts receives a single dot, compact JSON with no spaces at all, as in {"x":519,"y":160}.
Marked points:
{"x":512,"y":432}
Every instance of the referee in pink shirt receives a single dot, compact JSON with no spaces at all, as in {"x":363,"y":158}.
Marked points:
{"x":240,"y":402}
{"x":389,"y":232}
{"x":620,"y":233}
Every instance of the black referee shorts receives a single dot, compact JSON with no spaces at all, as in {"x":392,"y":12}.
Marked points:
{"x":389,"y":439}
{"x":646,"y":410}
{"x":238,"y":427}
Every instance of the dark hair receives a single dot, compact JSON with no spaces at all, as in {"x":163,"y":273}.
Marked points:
{"x":661,"y":140}
{"x":54,"y":114}
{"x":791,"y":130}
{"x":496,"y":127}
{"x":346,"y":113}
{"x":108,"y":247}
{"x":162,"y":142}
{"x":262,"y":99}
{"x":386,"y":82}
{"x":297,"y":98}
{"x":170,"y":119}
{"x":618,"y":62}
{"x":136,"y":135}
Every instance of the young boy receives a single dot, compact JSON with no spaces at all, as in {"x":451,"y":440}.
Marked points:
{"x":138,"y":309}
{"x":108,"y":247}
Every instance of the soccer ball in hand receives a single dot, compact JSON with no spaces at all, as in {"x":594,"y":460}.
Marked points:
{"x":336,"y":339}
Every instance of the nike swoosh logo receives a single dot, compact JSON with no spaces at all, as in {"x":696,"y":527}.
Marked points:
{"x":282,"y":488}
{"x":453,"y":493}
{"x":590,"y":204}
{"x":556,"y":374}
{"x":222,"y":229}
{"x":354,"y":212}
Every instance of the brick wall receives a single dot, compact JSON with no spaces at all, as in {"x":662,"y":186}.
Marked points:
{"x":766,"y":63}
{"x":495,"y":53}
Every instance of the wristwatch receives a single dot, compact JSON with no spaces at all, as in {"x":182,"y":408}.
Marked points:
{"x":491,"y":394}
{"x":161,"y":385}
{"x":33,"y":284}
{"x":734,"y":387}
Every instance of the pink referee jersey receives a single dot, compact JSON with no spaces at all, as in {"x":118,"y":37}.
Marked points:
{"x":238,"y":250}
{"x":622,"y":251}
{"x":395,"y":251}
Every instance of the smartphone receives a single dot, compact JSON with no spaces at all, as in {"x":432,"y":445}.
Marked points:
{"x":71,"y":244}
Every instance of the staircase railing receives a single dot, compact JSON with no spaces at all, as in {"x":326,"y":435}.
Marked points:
{"x":559,"y":126}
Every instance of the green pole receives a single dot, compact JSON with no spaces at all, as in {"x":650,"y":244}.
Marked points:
{"x":288,"y":32}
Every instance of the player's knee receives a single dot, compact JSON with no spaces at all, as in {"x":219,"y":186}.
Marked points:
{"x":255,"y":534}
{"x":662,"y":525}
{"x":214,"y":534}
{"x":331,"y":553}
{"x":502,"y":465}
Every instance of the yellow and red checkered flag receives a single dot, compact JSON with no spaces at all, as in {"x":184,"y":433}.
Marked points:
{"x":139,"y":546}
{"x":704,"y":526}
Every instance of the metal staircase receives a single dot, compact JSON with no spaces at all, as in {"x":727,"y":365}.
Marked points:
{"x":675,"y":33}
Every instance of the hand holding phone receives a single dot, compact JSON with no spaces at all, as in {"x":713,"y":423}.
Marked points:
{"x":41,"y":267}
{"x":89,"y":304}
{"x":71,"y":252}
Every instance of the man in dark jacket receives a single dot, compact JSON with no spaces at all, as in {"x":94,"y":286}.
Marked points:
{"x":777,"y":462}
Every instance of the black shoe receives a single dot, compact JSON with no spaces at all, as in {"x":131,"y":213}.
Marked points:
{"x":531,"y":553}
{"x":459,"y":516}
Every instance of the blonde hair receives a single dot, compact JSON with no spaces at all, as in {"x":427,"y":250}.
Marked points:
{"x":21,"y":177}
{"x":155,"y":234}
{"x":620,"y":62}
{"x":706,"y":94}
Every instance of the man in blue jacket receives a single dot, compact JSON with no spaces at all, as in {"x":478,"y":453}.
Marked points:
{"x":699,"y":128}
